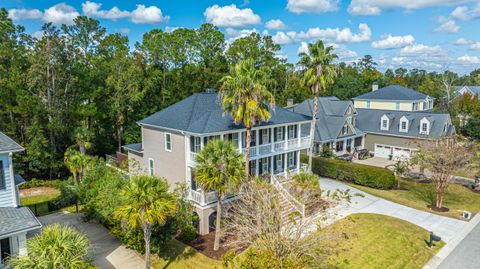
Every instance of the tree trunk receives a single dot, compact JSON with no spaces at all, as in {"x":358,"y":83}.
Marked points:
{"x":147,"y":233}
{"x":312,"y":131}
{"x":119,"y":136}
{"x":248,"y":140}
{"x":216,"y":244}
{"x":439,"y":200}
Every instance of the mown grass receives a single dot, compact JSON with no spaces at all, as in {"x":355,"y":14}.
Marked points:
{"x":40,"y":201}
{"x":420,"y":195}
{"x":176,"y":255}
{"x":377,"y":241}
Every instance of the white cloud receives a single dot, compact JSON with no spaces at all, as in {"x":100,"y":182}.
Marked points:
{"x":312,"y":6}
{"x":344,"y":54}
{"x":38,"y":34}
{"x":236,"y":34}
{"x":344,"y":35}
{"x":275,"y":24}
{"x":393,"y":42}
{"x":281,"y":38}
{"x":447,"y":26}
{"x":467,"y":59}
{"x":147,"y":15}
{"x":421,"y":49}
{"x":303,"y":48}
{"x":463,"y":41}
{"x":464,"y":13}
{"x":92,"y":9}
{"x":475,"y":46}
{"x":375,"y":7}
{"x":24,"y":14}
{"x":231,"y":16}
{"x":60,"y":14}
{"x":124,"y":30}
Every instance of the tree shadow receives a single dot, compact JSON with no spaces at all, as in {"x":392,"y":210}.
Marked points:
{"x":424,"y":191}
{"x":175,"y":251}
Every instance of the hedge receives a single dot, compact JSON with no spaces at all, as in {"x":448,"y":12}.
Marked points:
{"x":365,"y":175}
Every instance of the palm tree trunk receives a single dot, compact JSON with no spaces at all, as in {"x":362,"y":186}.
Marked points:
{"x":216,"y":244}
{"x":248,"y":140}
{"x":147,"y":233}
{"x":312,"y":131}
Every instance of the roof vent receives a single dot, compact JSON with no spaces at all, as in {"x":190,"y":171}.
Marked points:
{"x":209,"y":90}
{"x":374,"y":86}
{"x":289,"y":102}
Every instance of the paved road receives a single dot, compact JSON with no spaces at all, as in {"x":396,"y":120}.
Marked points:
{"x":445,"y":227}
{"x":108,"y":251}
{"x":467,"y":254}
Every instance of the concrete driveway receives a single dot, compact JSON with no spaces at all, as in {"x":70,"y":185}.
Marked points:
{"x":445,"y":227}
{"x":375,"y":161}
{"x":108,"y":251}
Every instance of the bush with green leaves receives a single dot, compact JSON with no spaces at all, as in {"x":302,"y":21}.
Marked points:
{"x":55,"y":247}
{"x":365,"y":175}
{"x":34,"y":182}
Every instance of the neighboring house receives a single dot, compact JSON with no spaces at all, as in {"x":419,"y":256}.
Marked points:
{"x":394,"y":97}
{"x":15,"y":221}
{"x":172,"y":137}
{"x":335,"y":127}
{"x":473,"y":90}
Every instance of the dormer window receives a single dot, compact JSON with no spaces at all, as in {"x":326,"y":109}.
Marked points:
{"x":403,"y":125}
{"x":384,"y":123}
{"x":345,"y":129}
{"x":424,"y":126}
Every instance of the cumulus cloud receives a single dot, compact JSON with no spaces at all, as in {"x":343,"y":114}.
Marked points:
{"x":375,"y":7}
{"x":231,"y":16}
{"x":465,"y":13}
{"x":312,"y":6}
{"x":393,"y":42}
{"x":275,"y":24}
{"x":447,"y":26}
{"x":147,"y":15}
{"x":234,"y":34}
{"x":92,"y":9}
{"x":463,"y":41}
{"x":338,"y":35}
{"x":344,"y":54}
{"x":60,"y":14}
{"x":421,"y":49}
{"x":475,"y":46}
{"x":281,"y":38}
{"x":24,"y":14}
{"x":467,"y":59}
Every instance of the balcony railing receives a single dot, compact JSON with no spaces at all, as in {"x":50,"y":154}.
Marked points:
{"x":269,"y":148}
{"x":203,"y":198}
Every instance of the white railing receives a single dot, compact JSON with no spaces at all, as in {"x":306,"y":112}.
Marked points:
{"x":193,"y":156}
{"x":305,"y":141}
{"x":294,"y":202}
{"x":279,"y":146}
{"x":292,"y":143}
{"x":253,"y":151}
{"x":264,"y":149}
{"x":203,"y":198}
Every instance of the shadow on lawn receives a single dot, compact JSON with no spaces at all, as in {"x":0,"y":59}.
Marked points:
{"x":175,"y":251}
{"x":424,"y":191}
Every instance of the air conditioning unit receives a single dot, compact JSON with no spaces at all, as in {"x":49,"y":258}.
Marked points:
{"x":466,"y":214}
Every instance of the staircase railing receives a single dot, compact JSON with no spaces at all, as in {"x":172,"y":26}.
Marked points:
{"x":294,"y":202}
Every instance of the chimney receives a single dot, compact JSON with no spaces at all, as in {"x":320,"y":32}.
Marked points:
{"x":374,"y":86}
{"x":289,"y":102}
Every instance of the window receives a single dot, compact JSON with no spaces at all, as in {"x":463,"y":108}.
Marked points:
{"x":403,"y":126}
{"x":233,"y":138}
{"x":424,"y":127}
{"x":2,"y":177}
{"x":168,"y":142}
{"x":278,"y":134}
{"x":279,"y":162}
{"x":414,"y":106}
{"x":265,"y":136}
{"x":368,"y":104}
{"x":291,"y":159}
{"x":345,"y":129}
{"x":195,"y":143}
{"x":151,"y":166}
{"x":292,"y":131}
{"x":397,"y":106}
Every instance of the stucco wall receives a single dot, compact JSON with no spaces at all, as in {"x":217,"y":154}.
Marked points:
{"x":168,"y":164}
{"x":372,"y":139}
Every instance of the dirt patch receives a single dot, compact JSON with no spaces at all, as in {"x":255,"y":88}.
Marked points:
{"x":204,"y":245}
{"x":438,"y":209}
{"x":37,"y":191}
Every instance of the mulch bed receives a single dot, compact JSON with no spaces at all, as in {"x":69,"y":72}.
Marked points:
{"x":204,"y":245}
{"x":438,"y":209}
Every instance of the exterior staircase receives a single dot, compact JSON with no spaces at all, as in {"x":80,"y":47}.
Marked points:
{"x":292,"y":209}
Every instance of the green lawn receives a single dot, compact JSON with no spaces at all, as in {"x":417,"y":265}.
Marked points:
{"x":40,"y":200}
{"x":177,"y":255}
{"x":419,"y":195}
{"x":377,"y":241}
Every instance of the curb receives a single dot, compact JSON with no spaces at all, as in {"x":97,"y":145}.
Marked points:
{"x":436,"y":260}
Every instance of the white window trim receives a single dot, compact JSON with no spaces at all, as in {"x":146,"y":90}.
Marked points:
{"x":402,"y":120}
{"x":165,"y":141}
{"x":384,"y":118}
{"x":422,"y":122}
{"x":151,"y":168}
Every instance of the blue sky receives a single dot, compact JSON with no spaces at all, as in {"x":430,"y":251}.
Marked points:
{"x":425,"y":34}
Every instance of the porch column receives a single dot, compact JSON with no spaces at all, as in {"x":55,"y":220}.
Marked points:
{"x":299,"y":133}
{"x":271,"y":165}
{"x":201,"y":143}
{"x":256,"y":168}
{"x":363,"y":141}
{"x":285,"y":165}
{"x":257,"y":140}
{"x":240,"y":141}
{"x":272,"y":138}
{"x":344,"y":145}
{"x":286,"y":137}
{"x":298,"y":161}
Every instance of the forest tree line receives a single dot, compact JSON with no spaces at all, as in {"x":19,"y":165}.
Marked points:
{"x":78,"y":86}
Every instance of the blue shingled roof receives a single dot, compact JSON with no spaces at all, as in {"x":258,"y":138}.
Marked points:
{"x":8,"y":145}
{"x":202,"y":113}
{"x":17,"y":219}
{"x":392,"y":92}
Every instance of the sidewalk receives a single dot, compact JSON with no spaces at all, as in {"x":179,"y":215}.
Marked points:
{"x":447,"y":228}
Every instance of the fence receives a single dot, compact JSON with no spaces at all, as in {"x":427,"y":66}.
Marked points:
{"x":45,"y":208}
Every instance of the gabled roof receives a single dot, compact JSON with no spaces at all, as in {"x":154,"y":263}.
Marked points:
{"x":8,"y":145}
{"x":330,"y":116}
{"x":392,"y":92}
{"x":202,"y":113}
{"x":17,"y":219}
{"x":475,"y":90}
{"x":368,"y":120}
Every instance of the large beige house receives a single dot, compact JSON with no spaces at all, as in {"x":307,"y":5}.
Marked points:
{"x":172,"y":137}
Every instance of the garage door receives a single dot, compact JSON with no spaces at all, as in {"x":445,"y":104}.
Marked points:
{"x":401,"y":153}
{"x":383,"y":151}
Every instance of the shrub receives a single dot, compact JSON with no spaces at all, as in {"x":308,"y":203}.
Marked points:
{"x":41,"y":183}
{"x":365,"y":175}
{"x":187,"y":233}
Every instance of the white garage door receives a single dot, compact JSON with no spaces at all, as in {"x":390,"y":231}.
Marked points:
{"x":383,"y":151}
{"x":401,"y":153}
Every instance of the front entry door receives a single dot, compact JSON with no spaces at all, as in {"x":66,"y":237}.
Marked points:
{"x":5,"y":249}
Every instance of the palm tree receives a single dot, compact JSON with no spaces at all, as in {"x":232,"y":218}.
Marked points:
{"x":245,"y":97}
{"x":219,"y":168}
{"x":147,"y":202}
{"x":75,"y":162}
{"x":55,"y":247}
{"x":319,"y":72}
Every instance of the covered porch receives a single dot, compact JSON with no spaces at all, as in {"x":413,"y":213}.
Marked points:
{"x":341,"y":146}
